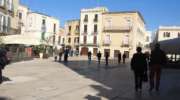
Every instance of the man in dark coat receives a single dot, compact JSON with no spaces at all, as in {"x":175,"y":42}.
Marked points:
{"x":3,"y":62}
{"x":124,"y":58}
{"x":107,"y":58}
{"x":99,"y":57}
{"x":89,"y":57}
{"x":119,"y":57}
{"x":157,"y":60}
{"x":139,"y":66}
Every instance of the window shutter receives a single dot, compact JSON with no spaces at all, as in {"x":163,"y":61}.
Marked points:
{"x":9,"y":24}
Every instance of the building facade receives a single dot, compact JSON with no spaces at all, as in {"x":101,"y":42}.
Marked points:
{"x":72,"y":29}
{"x":35,"y":29}
{"x":167,"y":33}
{"x":123,"y":32}
{"x":8,"y":17}
{"x":43,"y":27}
{"x":91,"y":29}
{"x":61,"y":37}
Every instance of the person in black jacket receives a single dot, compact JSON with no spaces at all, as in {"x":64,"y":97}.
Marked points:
{"x":119,"y":57}
{"x":157,"y":60}
{"x":99,"y":57}
{"x":139,"y":66}
{"x":107,"y":58}
{"x":3,"y":62}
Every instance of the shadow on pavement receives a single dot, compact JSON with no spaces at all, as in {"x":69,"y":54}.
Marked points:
{"x":117,"y":82}
{"x":109,"y":76}
{"x":4,"y":98}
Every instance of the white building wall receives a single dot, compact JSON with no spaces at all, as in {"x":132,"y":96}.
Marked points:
{"x":34,"y":26}
{"x":173,"y":30}
{"x":90,"y":24}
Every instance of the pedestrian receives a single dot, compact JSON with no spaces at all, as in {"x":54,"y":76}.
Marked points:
{"x":66,"y":53}
{"x":157,"y":60}
{"x":99,"y":57}
{"x":107,"y":58}
{"x":89,"y":57}
{"x":139,"y":66}
{"x":3,"y":62}
{"x":124,"y":58}
{"x":60,"y":56}
{"x":119,"y":57}
{"x":55,"y":58}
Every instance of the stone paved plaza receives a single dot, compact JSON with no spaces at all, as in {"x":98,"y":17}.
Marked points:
{"x":77,"y":80}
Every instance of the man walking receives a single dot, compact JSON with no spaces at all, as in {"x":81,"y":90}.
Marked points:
{"x":89,"y":57}
{"x":99,"y":57}
{"x":107,"y":58}
{"x":119,"y":57}
{"x":157,"y":60}
{"x":124,"y":58}
{"x":139,"y":66}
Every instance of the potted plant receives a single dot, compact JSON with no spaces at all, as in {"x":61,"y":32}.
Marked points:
{"x":41,"y":50}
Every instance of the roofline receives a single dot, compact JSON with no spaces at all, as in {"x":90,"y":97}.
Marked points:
{"x":119,"y":12}
{"x":71,"y":20}
{"x":40,"y":13}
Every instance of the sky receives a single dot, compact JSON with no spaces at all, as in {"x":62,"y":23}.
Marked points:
{"x":155,"y":12}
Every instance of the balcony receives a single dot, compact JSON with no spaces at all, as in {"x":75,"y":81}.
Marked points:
{"x":95,"y":20}
{"x":125,"y":45}
{"x":5,"y":30}
{"x":86,"y":20}
{"x":107,"y":43}
{"x":85,"y":33}
{"x":94,"y":33}
{"x":76,"y":32}
{"x":89,"y":44}
{"x":118,"y":29}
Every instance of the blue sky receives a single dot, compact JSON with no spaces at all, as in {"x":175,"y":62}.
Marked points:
{"x":155,"y":12}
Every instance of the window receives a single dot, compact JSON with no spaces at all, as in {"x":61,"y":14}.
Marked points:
{"x":9,"y":4}
{"x":95,"y":40}
{"x":96,"y":18}
{"x":43,"y":22}
{"x":77,"y":39}
{"x":59,"y":39}
{"x":107,"y":39}
{"x":4,"y":23}
{"x":77,"y":27}
{"x":85,"y":39}
{"x":85,"y":28}
{"x":63,"y":40}
{"x":95,"y":28}
{"x":166,"y":34}
{"x":1,"y":23}
{"x":69,"y":40}
{"x":20,"y":15}
{"x":125,"y":41}
{"x":43,"y":25}
{"x":69,"y":29}
{"x":86,"y":18}
{"x":54,"y":30}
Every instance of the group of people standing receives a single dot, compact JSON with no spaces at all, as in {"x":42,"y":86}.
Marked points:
{"x":140,"y":63}
{"x":61,"y":53}
{"x":106,"y":55}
